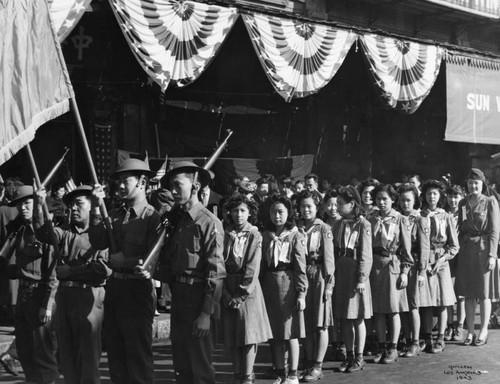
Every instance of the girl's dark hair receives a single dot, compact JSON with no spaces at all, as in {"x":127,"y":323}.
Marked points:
{"x":433,"y":184}
{"x":370,"y":182}
{"x":455,"y":190}
{"x":329,"y":194}
{"x":306,"y":194}
{"x":349,"y":194}
{"x":237,"y":199}
{"x":407,"y":187}
{"x":388,"y":188}
{"x":277,"y":198}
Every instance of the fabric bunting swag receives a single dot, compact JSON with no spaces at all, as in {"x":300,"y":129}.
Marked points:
{"x":299,"y":58}
{"x":65,"y":15}
{"x":404,"y":71}
{"x":173,"y":40}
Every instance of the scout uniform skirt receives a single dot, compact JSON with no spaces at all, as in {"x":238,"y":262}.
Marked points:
{"x":281,"y":300}
{"x":249,"y":323}
{"x":347,"y":303}
{"x":318,"y":313}
{"x":386,"y":297}
{"x":440,"y":287}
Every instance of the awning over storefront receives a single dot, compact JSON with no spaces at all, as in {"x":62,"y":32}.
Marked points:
{"x":472,"y":99}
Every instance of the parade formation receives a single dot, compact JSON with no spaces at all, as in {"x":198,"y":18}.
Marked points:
{"x":370,"y":265}
{"x":240,"y":252}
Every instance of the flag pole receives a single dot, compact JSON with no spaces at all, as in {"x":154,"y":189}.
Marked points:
{"x":93,"y":173}
{"x":45,"y":209}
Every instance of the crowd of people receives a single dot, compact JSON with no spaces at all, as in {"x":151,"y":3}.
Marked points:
{"x":365,"y":267}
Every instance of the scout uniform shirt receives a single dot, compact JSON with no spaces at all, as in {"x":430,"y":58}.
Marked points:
{"x":391,"y":234}
{"x":33,"y":265}
{"x":351,"y":237}
{"x":134,"y":230}
{"x":419,"y":242}
{"x":194,"y":253}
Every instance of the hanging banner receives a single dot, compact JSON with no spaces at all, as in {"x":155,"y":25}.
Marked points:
{"x":472,"y":100}
{"x":173,"y":41}
{"x":298,"y":58}
{"x":404,"y":71}
{"x":35,"y":85}
{"x":65,"y":15}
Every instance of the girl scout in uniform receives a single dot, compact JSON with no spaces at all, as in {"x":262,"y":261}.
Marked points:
{"x":244,"y":317}
{"x":409,"y":203}
{"x":477,"y":267}
{"x":392,"y":260}
{"x":352,"y":299}
{"x":320,"y":274}
{"x":284,"y":284}
{"x":443,"y":246}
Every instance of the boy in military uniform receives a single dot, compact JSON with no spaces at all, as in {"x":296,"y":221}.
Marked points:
{"x":82,"y":273}
{"x":194,"y":268}
{"x":130,"y":301}
{"x":36,"y":296}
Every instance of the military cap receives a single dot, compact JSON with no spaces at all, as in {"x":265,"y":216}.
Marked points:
{"x":23,"y":192}
{"x":204,"y":176}
{"x":476,"y":174}
{"x":82,"y":190}
{"x":133,"y":166}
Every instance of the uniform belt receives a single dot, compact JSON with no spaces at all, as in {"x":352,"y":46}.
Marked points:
{"x":383,"y":252}
{"x":344,"y":252}
{"x":189,"y":280}
{"x":74,"y":284}
{"x":281,"y":267}
{"x":317,"y":261}
{"x":126,"y":276}
{"x":25,"y":283}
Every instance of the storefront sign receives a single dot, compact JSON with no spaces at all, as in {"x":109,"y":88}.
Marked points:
{"x":486,"y":8}
{"x":473,"y":101}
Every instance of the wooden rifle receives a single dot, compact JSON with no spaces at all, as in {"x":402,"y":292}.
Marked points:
{"x":168,"y":223}
{"x":7,"y":249}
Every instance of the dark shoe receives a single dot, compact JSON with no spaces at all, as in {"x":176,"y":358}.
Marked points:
{"x":391,"y":356}
{"x":280,"y":380}
{"x":248,"y":379}
{"x":314,"y":374}
{"x":448,"y":334}
{"x":458,"y":334}
{"x":345,"y":364}
{"x":412,"y":351}
{"x":292,"y":380}
{"x":356,"y":365}
{"x":438,"y":346}
{"x":304,"y":373}
{"x":426,"y":346}
{"x":9,"y":364}
{"x":270,"y":374}
{"x":494,"y":322}
{"x":480,"y":342}
{"x":340,"y":354}
{"x":378,"y":357}
{"x":470,"y":339}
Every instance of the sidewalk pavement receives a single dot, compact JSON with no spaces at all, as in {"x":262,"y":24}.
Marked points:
{"x":478,"y":365}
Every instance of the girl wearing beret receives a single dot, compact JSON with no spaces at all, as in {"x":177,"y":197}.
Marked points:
{"x":477,"y":266}
{"x":320,"y":275}
{"x":284,"y":284}
{"x":352,"y":298}
{"x":244,"y":317}
{"x":442,"y":247}
{"x":392,"y":260}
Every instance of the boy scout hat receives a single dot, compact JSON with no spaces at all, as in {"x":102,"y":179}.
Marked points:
{"x":134,"y":166}
{"x":476,"y":174}
{"x":23,"y":192}
{"x":187,"y":167}
{"x":82,"y":190}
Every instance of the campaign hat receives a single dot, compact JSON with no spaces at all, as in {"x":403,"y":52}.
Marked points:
{"x":476,"y":174}
{"x":22,"y":192}
{"x":134,"y":166}
{"x":204,"y":176}
{"x":81,"y":190}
